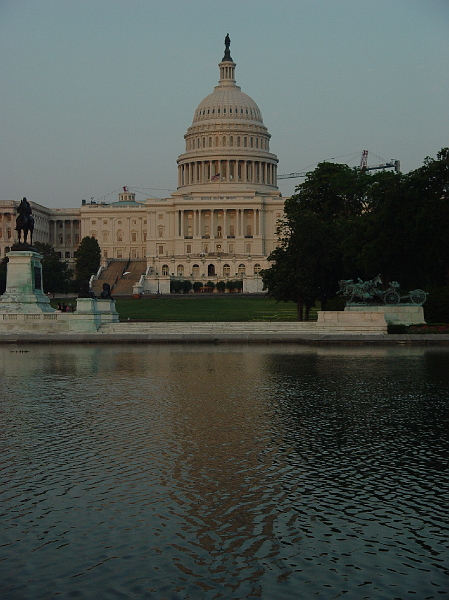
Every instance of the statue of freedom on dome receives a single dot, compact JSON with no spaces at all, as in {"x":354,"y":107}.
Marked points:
{"x":227,"y":43}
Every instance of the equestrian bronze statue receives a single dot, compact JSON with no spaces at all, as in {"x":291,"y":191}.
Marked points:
{"x":25,"y":221}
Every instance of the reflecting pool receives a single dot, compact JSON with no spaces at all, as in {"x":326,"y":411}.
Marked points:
{"x":223,"y":472}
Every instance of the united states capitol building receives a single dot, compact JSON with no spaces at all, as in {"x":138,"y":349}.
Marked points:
{"x":219,"y":225}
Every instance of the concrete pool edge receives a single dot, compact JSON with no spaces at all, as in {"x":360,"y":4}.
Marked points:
{"x":222,"y":338}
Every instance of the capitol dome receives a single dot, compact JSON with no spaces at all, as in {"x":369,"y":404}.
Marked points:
{"x":227,"y":141}
{"x":227,"y":103}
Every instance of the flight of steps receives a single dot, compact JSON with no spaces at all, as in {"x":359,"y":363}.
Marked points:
{"x":224,"y":330}
{"x":121,"y":285}
{"x":134,"y":270}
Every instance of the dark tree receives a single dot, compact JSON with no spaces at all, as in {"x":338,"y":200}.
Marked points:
{"x":88,"y":257}
{"x":56,"y":273}
{"x":309,"y":259}
{"x":3,"y":268}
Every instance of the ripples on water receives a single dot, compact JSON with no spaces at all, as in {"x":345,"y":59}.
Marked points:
{"x":184,"y":472}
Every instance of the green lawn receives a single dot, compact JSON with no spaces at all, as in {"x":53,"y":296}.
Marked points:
{"x":203,"y":307}
{"x":197,"y":307}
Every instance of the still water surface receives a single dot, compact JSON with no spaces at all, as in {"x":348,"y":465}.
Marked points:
{"x":223,"y":472}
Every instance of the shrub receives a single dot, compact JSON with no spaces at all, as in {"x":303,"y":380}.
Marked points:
{"x":393,"y":328}
{"x":436,"y":307}
{"x":336,"y":303}
{"x":186,"y":286}
{"x":175,"y":286}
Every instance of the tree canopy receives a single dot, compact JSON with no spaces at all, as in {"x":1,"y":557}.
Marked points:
{"x":344,"y":223}
{"x":88,"y":256}
{"x":56,"y":273}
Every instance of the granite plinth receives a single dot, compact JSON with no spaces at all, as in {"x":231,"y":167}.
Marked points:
{"x":395,"y":314}
{"x":357,"y":323}
{"x":24,"y":293}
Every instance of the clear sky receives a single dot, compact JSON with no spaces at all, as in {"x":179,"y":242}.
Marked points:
{"x":98,"y":94}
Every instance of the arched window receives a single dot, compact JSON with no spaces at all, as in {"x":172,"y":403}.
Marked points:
{"x":210,"y":270}
{"x":241,"y":270}
{"x":226,"y":270}
{"x":196,"y":270}
{"x":165,"y":270}
{"x":119,"y":235}
{"x":256,"y":269}
{"x":67,"y":254}
{"x":180,"y":270}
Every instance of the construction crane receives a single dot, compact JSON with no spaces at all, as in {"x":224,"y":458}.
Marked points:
{"x":291,"y":175}
{"x":393,"y":163}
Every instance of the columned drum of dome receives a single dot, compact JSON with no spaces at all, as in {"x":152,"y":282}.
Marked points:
{"x":227,"y":141}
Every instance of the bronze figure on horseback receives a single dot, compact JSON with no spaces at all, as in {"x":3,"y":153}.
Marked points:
{"x":25,"y":221}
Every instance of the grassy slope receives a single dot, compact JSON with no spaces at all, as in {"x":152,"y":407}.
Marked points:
{"x":203,"y":308}
{"x":206,"y":308}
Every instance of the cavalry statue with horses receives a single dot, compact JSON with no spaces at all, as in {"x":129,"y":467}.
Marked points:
{"x":368,"y":292}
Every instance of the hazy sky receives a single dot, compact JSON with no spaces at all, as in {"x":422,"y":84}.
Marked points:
{"x":98,"y":94}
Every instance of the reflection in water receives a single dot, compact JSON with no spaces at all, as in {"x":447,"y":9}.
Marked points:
{"x":175,"y":472}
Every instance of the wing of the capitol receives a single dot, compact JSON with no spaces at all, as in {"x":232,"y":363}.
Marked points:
{"x":220,"y":224}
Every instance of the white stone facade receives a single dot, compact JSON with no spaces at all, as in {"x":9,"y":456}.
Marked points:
{"x":220,"y":224}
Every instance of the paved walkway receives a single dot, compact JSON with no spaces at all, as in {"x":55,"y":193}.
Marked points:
{"x":246,"y":332}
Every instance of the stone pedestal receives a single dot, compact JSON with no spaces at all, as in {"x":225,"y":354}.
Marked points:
{"x":339,"y":321}
{"x":395,"y":314}
{"x":107,"y":311}
{"x":24,"y":292}
{"x":87,"y":317}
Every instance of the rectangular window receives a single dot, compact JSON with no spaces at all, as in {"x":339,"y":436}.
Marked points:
{"x":189,"y":249}
{"x":161,"y":249}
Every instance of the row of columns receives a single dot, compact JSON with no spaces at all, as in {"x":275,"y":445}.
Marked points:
{"x":7,"y":225}
{"x":56,"y":231}
{"x":233,"y":222}
{"x":245,"y":171}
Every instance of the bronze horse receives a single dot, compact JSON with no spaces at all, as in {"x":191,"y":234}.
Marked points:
{"x":24,"y":221}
